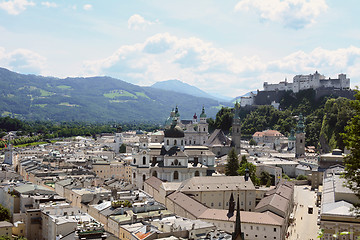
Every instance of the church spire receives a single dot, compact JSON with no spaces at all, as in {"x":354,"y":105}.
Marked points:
{"x":231,"y":206}
{"x":237,"y":234}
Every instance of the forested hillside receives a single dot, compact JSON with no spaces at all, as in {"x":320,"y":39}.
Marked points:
{"x":94,"y":99}
{"x":325,"y":118}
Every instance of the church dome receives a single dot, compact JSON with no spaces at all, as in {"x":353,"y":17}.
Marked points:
{"x":174,"y":132}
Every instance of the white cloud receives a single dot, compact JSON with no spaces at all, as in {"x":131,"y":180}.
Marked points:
{"x":87,"y":7}
{"x":15,"y":7}
{"x":137,"y":22}
{"x":49,"y":4}
{"x":22,"y":60}
{"x":192,"y":60}
{"x":294,"y":14}
{"x":164,"y":56}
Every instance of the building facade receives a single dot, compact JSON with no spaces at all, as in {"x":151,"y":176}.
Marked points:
{"x":310,"y":81}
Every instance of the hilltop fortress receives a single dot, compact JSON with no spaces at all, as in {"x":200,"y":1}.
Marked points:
{"x":311,"y":81}
{"x":272,"y":93}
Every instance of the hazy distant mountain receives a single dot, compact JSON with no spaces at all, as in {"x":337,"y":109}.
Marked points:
{"x":181,"y":87}
{"x":98,"y":99}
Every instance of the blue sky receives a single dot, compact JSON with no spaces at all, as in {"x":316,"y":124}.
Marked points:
{"x":224,"y":47}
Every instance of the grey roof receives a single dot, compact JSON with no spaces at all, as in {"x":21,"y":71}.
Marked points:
{"x":64,"y":182}
{"x":5,"y":224}
{"x":218,"y":138}
{"x":276,"y":201}
{"x":338,"y":208}
{"x":188,"y":203}
{"x":154,"y":182}
{"x":221,"y":183}
{"x":31,"y":188}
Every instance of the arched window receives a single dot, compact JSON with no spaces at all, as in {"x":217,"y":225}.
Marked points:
{"x":197,"y":173}
{"x":176,"y":175}
{"x":182,"y":142}
{"x":134,"y":175}
{"x":144,"y":177}
{"x":175,"y":142}
{"x":144,"y":160}
{"x":176,"y":162}
{"x":167,"y":142}
{"x":134,"y":160}
{"x":300,"y":140}
{"x":204,"y":129}
{"x":155,"y":174}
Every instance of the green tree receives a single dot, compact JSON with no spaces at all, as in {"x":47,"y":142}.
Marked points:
{"x":352,"y":141}
{"x":5,"y":237}
{"x":252,"y":142}
{"x":252,"y":172}
{"x":301,"y":177}
{"x":232,"y":163}
{"x":122,"y":148}
{"x":243,"y":160}
{"x":4,"y":213}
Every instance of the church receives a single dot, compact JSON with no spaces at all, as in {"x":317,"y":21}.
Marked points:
{"x":183,"y":154}
{"x":179,"y":157}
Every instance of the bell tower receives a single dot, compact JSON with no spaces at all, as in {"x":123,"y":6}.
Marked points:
{"x":300,"y":137}
{"x":236,"y":129}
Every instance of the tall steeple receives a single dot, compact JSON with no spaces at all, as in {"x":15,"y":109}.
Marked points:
{"x":237,"y":234}
{"x":231,"y":206}
{"x":236,"y":129}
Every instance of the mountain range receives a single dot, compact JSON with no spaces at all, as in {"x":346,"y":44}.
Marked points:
{"x":93,"y":99}
{"x":181,"y":87}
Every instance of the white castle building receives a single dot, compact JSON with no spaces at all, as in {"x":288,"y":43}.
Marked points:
{"x":311,"y":81}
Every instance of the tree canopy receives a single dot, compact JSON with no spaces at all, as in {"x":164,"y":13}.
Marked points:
{"x":352,"y":142}
{"x":4,"y":213}
{"x":232,"y":163}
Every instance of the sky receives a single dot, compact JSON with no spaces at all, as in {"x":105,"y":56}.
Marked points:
{"x":222,"y":47}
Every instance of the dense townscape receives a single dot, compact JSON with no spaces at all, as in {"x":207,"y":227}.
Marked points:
{"x":195,"y":178}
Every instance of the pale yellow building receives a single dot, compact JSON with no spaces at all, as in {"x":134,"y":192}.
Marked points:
{"x":6,"y":229}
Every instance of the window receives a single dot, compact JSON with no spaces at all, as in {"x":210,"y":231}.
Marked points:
{"x":134,"y":160}
{"x":176,"y":175}
{"x":219,"y":204}
{"x":251,"y":227}
{"x":274,"y":229}
{"x":182,"y":142}
{"x":204,"y":129}
{"x":167,"y":142}
{"x":257,"y":228}
{"x":197,"y":173}
{"x":256,"y":236}
{"x":144,"y":160}
{"x":154,"y":174}
{"x":144,"y":177}
{"x":175,"y":142}
{"x":196,"y":160}
{"x":176,"y":162}
{"x":212,"y":204}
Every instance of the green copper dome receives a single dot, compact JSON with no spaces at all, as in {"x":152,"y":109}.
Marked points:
{"x":203,"y":115}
